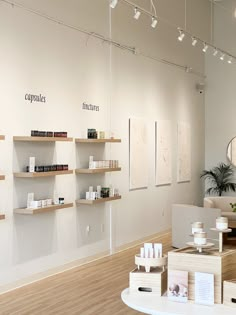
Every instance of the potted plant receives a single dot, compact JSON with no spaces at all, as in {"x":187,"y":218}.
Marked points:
{"x":233,"y":206}
{"x":220,"y":179}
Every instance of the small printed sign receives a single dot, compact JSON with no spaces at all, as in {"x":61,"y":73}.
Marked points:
{"x":90,"y":107}
{"x":35,"y":98}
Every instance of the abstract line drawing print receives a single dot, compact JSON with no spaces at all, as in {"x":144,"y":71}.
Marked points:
{"x":184,"y":153}
{"x":163,"y":153}
{"x":138,"y":163}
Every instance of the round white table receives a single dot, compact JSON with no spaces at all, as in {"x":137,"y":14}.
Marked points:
{"x":154,"y":305}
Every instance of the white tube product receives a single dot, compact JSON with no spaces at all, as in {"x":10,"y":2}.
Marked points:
{"x":151,"y":252}
{"x":99,"y":191}
{"x":142,"y":252}
{"x":55,"y":198}
{"x":30,"y":198}
{"x":91,"y":161}
{"x":157,"y":250}
{"x":31,"y":164}
{"x":90,"y":192}
{"x":147,"y":247}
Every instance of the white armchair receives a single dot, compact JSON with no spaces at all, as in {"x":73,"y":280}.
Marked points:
{"x":182,"y":218}
{"x":223,"y":203}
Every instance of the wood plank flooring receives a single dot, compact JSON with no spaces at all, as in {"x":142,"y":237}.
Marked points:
{"x":91,"y":289}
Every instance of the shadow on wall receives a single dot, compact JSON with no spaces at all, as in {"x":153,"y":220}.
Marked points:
{"x":91,"y":227}
{"x":34,"y":236}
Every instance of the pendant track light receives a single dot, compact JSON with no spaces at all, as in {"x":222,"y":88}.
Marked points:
{"x":230,"y":60}
{"x":137,"y":13}
{"x":205,"y":47}
{"x":182,"y":32}
{"x":113,"y":3}
{"x":154,"y":22}
{"x":194,"y":41}
{"x":222,"y":57}
{"x":181,"y":35}
{"x":215,"y":52}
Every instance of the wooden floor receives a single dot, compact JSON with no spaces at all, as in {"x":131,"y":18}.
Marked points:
{"x":91,"y":289}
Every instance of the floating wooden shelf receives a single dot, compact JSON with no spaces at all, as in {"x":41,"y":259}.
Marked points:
{"x":93,"y":202}
{"x":2,"y":137}
{"x":41,"y":139}
{"x":2,"y":216}
{"x":2,"y":177}
{"x":43,"y":209}
{"x":80,"y":140}
{"x":96,"y":170}
{"x":41,"y":174}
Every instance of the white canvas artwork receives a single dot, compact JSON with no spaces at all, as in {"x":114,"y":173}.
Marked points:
{"x":184,"y":152}
{"x":138,"y":163}
{"x":163,"y":153}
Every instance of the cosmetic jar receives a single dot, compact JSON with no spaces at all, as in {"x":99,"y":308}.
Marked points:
{"x":222,"y":223}
{"x":61,"y":201}
{"x":197,"y":227}
{"x":200,"y":238}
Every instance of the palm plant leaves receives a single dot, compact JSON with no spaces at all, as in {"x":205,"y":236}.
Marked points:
{"x":219,"y":179}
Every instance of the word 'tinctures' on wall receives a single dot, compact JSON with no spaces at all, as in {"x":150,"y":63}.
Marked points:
{"x":90,"y":107}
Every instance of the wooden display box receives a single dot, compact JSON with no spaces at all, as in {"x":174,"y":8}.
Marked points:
{"x":154,"y":282}
{"x":222,"y":265}
{"x":230,"y":293}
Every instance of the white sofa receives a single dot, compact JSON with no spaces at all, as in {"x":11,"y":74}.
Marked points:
{"x":222,"y":203}
{"x":184,"y":215}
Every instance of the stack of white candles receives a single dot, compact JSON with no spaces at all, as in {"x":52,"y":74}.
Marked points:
{"x":150,"y":250}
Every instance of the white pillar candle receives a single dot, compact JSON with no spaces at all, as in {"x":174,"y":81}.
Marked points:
{"x":200,"y":238}
{"x":222,"y":223}
{"x":197,"y":227}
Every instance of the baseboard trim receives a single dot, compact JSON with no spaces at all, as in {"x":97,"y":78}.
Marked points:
{"x":76,"y":263}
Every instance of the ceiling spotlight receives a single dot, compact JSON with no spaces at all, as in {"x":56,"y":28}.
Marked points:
{"x":222,"y":57}
{"x":181,"y":35}
{"x":205,"y":47}
{"x":215,"y":52}
{"x":154,"y":22}
{"x":137,"y":13}
{"x":194,"y":41}
{"x":113,"y":3}
{"x":230,"y":59}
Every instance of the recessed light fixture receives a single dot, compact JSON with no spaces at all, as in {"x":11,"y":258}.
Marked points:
{"x":137,"y":13}
{"x":154,"y":22}
{"x":205,"y":47}
{"x":181,"y":35}
{"x":194,"y":41}
{"x":222,"y":57}
{"x":113,"y":3}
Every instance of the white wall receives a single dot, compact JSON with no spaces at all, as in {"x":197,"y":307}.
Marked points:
{"x":39,"y":56}
{"x":220,"y":87}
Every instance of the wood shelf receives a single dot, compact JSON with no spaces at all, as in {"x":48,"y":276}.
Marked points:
{"x":2,"y":217}
{"x":96,"y":170}
{"x":41,"y":174}
{"x":2,"y":177}
{"x":43,"y":209}
{"x":93,"y":202}
{"x":41,"y":139}
{"x":2,"y":137}
{"x":80,"y":140}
